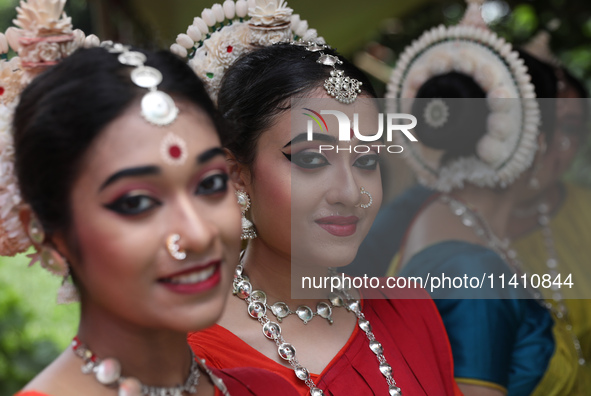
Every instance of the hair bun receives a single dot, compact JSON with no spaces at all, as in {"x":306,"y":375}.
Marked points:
{"x":452,"y":113}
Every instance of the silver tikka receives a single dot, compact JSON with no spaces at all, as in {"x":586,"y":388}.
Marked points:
{"x":257,"y":309}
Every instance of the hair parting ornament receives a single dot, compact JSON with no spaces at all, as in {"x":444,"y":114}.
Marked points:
{"x":509,"y":144}
{"x":226,"y":31}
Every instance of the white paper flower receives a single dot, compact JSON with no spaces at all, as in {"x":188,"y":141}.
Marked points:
{"x":92,"y":41}
{"x":13,"y":36}
{"x":179,"y":50}
{"x":270,"y":13}
{"x":3,"y":44}
{"x":241,"y":8}
{"x":185,"y":41}
{"x":208,"y":17}
{"x":49,"y":52}
{"x":229,"y":9}
{"x":201,"y":25}
{"x":218,"y":12}
{"x":302,"y":28}
{"x":194,"y":33}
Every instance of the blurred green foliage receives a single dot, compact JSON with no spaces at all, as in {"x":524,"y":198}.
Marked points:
{"x":33,"y":329}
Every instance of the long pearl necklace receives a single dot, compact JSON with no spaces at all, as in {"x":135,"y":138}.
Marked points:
{"x":257,"y":309}
{"x":108,"y":372}
{"x":474,"y":220}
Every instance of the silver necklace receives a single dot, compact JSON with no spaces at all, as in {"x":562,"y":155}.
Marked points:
{"x":257,"y":309}
{"x":281,"y":310}
{"x":559,"y":307}
{"x":471,"y":218}
{"x":108,"y":372}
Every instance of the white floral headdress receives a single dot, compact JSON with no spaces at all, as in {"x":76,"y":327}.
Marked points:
{"x":509,"y":144}
{"x":226,"y":31}
{"x":44,"y":36}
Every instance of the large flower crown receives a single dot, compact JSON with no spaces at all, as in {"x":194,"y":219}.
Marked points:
{"x":226,"y":31}
{"x":44,"y":37}
{"x":509,"y":144}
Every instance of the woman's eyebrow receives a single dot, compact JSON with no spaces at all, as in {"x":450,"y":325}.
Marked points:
{"x":130,"y":172}
{"x":315,"y":136}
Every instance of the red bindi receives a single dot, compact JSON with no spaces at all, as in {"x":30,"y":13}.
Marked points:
{"x":230,"y":48}
{"x":175,"y":151}
{"x":1,"y":91}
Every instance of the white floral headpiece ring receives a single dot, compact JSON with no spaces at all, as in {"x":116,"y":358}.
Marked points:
{"x":44,"y":37}
{"x":226,"y":31}
{"x":508,"y":147}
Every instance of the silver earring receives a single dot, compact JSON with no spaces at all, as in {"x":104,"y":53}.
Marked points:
{"x":368,"y":204}
{"x":248,"y":231}
{"x":174,"y":249}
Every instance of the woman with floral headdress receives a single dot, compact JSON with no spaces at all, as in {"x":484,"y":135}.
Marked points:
{"x":308,"y":210}
{"x":476,"y":153}
{"x":116,"y":172}
{"x":550,"y":225}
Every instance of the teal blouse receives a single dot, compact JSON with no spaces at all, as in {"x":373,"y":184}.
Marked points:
{"x":503,"y":343}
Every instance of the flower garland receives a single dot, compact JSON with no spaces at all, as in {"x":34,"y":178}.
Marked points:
{"x":44,"y":37}
{"x":226,"y":31}
{"x":508,"y":147}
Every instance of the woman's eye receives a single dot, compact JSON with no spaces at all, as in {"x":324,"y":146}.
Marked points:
{"x":368,"y":162}
{"x":213,"y":184}
{"x":133,"y":204}
{"x":309,"y":160}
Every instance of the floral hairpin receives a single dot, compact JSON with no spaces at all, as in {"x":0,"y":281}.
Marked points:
{"x":342,"y":88}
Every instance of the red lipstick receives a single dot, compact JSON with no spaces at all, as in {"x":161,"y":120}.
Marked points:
{"x":341,"y":226}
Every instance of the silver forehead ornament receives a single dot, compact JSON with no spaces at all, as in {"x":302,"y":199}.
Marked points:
{"x":157,"y":107}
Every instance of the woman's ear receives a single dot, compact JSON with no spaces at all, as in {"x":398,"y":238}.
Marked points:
{"x":239,"y":173}
{"x":26,"y":215}
{"x":38,"y":236}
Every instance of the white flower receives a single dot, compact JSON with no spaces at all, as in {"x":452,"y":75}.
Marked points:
{"x":179,"y":50}
{"x":295,"y":22}
{"x":79,"y":37}
{"x":201,"y":25}
{"x":208,"y":17}
{"x":229,"y":9}
{"x":310,"y":35}
{"x":194,"y":33}
{"x":92,"y":41}
{"x":3,"y":44}
{"x":218,"y":12}
{"x":49,"y":52}
{"x":302,"y":28}
{"x":490,"y":150}
{"x":270,"y":12}
{"x":241,"y":8}
{"x":223,"y":48}
{"x":185,"y":41}
{"x":13,"y":36}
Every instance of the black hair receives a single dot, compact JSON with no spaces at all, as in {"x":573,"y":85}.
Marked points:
{"x":467,"y":121}
{"x":258,"y":87}
{"x":65,"y":108}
